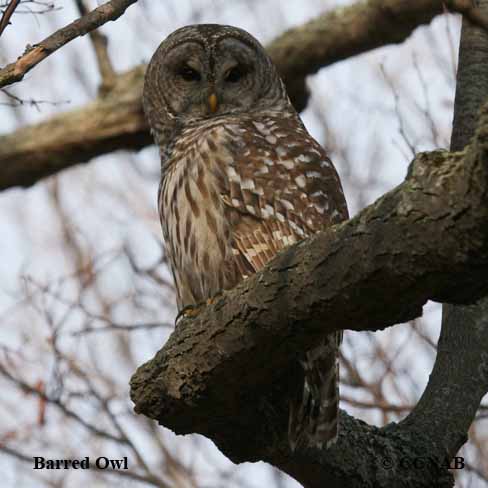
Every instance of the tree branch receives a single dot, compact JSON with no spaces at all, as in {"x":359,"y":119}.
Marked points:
{"x":7,"y":14}
{"x":100,"y":44}
{"x":342,"y":33}
{"x":463,"y":344}
{"x":228,"y":372}
{"x":113,"y":122}
{"x":33,"y":55}
{"x":35,"y":152}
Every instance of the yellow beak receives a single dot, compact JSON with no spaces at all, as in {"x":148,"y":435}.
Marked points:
{"x":212,"y":103}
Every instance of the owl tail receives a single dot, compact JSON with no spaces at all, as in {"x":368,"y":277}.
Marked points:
{"x":313,"y":420}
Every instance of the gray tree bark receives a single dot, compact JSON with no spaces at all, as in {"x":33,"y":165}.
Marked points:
{"x":460,"y":352}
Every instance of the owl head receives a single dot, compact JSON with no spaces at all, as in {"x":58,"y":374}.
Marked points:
{"x":209,"y":70}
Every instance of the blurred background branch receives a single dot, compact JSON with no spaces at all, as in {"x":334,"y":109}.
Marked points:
{"x":100,"y":44}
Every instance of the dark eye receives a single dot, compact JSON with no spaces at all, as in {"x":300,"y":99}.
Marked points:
{"x":234,"y":74}
{"x":189,"y":74}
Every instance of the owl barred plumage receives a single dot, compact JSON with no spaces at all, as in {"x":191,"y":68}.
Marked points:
{"x":241,"y":180}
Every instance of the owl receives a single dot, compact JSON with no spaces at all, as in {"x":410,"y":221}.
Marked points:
{"x":241,"y":179}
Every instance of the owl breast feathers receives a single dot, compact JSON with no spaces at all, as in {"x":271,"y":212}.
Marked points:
{"x":241,"y":180}
{"x":237,"y":191}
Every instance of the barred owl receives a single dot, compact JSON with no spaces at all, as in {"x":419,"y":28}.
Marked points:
{"x":241,"y":180}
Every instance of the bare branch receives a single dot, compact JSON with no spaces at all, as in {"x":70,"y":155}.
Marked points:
{"x":113,"y":122}
{"x":387,"y":407}
{"x":100,"y":43}
{"x":128,"y":474}
{"x":16,"y":101}
{"x":33,"y":55}
{"x":122,"y":327}
{"x":5,"y":20}
{"x":16,"y":454}
{"x":64,"y":409}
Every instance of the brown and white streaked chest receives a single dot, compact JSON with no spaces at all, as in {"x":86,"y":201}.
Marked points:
{"x":279,"y":172}
{"x":236,"y":191}
{"x":195,"y":229}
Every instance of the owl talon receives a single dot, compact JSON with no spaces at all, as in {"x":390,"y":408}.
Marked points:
{"x":190,"y":311}
{"x":213,"y":299}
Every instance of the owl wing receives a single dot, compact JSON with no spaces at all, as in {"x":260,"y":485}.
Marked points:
{"x":281,"y":188}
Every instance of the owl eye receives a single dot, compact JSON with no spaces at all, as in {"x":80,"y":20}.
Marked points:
{"x":234,"y":74}
{"x":189,"y":74}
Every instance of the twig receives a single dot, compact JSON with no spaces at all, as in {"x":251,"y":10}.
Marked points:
{"x":122,"y":327}
{"x":477,"y":471}
{"x":100,"y":43}
{"x":401,"y":128}
{"x":16,"y":101}
{"x":387,"y":407}
{"x":16,"y":454}
{"x":33,"y":55}
{"x":150,"y":480}
{"x":64,"y":409}
{"x":7,"y":14}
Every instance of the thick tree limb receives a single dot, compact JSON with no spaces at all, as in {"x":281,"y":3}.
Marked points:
{"x":342,"y":33}
{"x":115,"y":122}
{"x":227,"y":372}
{"x":32,"y":153}
{"x":460,"y":353}
{"x":33,"y":55}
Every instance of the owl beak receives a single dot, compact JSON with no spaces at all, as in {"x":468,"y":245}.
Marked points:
{"x":213,"y":103}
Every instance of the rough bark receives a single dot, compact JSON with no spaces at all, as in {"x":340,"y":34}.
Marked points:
{"x":463,"y":346}
{"x":114,"y":120}
{"x":228,"y":372}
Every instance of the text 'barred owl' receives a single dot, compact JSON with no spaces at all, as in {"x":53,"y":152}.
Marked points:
{"x":241,"y":179}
